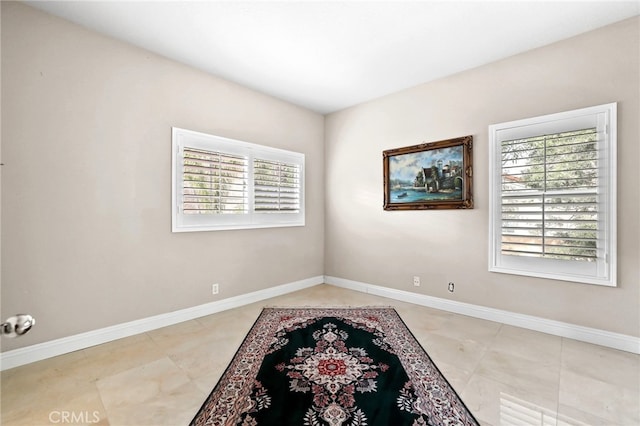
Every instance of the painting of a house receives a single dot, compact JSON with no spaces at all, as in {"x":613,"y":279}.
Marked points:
{"x":432,"y":172}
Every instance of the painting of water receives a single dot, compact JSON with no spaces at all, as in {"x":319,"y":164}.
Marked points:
{"x":427,"y":176}
{"x":412,"y":195}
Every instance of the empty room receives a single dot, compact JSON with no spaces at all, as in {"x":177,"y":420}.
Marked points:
{"x":322,"y":213}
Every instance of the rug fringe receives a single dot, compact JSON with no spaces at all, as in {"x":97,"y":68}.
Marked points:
{"x":330,"y":307}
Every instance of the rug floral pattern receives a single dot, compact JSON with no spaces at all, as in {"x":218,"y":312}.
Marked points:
{"x":332,"y":367}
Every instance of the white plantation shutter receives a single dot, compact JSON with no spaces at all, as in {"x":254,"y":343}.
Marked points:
{"x":276,"y":186}
{"x":214,"y":182}
{"x":553,"y":196}
{"x":221,"y":183}
{"x":550,"y":196}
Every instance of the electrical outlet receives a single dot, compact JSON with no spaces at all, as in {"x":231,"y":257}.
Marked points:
{"x":451,"y":287}
{"x":416,"y":281}
{"x":215,"y":288}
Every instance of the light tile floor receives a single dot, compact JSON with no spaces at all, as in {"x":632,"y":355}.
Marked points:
{"x":505,"y":375}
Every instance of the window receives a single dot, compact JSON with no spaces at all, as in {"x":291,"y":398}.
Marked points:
{"x":553,"y":196}
{"x":221,"y":183}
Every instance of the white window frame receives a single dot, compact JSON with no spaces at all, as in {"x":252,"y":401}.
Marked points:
{"x":251,"y":219}
{"x":604,"y":270}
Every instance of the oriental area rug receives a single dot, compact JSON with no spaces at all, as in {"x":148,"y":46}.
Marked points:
{"x":332,"y":367}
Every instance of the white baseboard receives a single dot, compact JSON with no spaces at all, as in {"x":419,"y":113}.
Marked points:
{"x":40,"y":351}
{"x":591,"y":335}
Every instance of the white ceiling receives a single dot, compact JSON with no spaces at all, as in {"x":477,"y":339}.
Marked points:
{"x":329,"y":55}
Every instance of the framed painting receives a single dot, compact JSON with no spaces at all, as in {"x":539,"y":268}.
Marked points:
{"x":435,"y":175}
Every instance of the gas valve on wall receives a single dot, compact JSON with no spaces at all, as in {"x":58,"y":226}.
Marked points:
{"x":17,"y":325}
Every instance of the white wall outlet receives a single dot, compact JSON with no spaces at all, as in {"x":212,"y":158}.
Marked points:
{"x":416,"y":281}
{"x":215,"y":288}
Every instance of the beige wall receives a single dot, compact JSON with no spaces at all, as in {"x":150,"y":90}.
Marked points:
{"x":365,"y":243}
{"x":86,"y":189}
